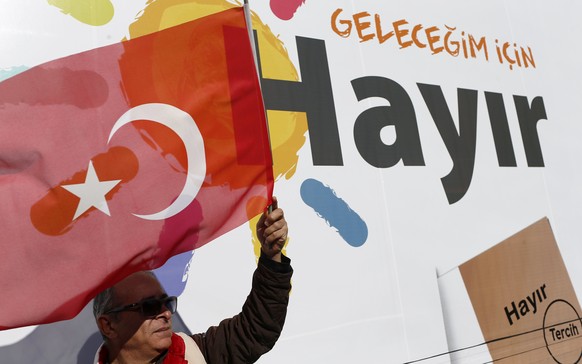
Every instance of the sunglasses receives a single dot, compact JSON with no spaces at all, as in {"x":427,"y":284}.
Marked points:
{"x":150,"y":306}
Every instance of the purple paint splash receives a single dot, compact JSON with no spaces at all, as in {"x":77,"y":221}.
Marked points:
{"x":285,"y":9}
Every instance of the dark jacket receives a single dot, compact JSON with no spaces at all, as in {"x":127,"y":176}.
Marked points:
{"x":253,"y":332}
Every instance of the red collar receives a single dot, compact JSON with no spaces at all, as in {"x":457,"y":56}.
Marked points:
{"x":175,"y":355}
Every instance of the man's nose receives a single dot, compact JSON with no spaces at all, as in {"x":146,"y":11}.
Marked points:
{"x":166,"y":313}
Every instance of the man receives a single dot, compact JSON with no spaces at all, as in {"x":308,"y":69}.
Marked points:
{"x":135,"y":315}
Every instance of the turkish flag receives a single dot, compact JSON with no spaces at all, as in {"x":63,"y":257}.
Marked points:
{"x":115,"y":159}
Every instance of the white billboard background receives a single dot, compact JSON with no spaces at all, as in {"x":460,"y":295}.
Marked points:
{"x":380,"y":302}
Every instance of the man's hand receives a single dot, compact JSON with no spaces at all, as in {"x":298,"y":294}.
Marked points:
{"x":272,"y":232}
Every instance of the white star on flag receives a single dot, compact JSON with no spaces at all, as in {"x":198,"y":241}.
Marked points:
{"x":92,"y":192}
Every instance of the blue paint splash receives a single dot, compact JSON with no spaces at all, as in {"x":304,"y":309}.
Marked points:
{"x":335,"y":211}
{"x":173,"y":275}
{"x":6,"y":73}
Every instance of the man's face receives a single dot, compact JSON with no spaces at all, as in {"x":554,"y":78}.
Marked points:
{"x":147,"y":336}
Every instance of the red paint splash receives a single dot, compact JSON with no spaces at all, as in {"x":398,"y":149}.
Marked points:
{"x":285,"y":9}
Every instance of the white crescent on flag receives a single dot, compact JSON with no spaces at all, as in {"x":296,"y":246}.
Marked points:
{"x":185,"y":127}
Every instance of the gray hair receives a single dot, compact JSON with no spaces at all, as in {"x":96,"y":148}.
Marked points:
{"x":103,"y":302}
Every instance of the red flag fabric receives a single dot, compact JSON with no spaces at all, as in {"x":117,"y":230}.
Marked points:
{"x":115,"y":159}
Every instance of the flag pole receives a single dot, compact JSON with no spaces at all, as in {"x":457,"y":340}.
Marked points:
{"x":247,"y":11}
{"x":255,"y":50}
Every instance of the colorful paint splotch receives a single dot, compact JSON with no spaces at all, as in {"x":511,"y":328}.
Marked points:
{"x":90,"y":12}
{"x":6,"y":73}
{"x":285,"y":9}
{"x":335,"y":211}
{"x":174,"y":274}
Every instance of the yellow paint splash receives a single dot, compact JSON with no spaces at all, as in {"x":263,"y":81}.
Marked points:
{"x":91,"y":12}
{"x":287,"y":129}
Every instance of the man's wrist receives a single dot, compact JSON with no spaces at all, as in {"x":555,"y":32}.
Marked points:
{"x":276,"y":257}
{"x":284,"y":266}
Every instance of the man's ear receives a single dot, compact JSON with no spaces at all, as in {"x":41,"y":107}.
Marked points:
{"x":107,"y":326}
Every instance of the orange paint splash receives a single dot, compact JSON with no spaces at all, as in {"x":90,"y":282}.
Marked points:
{"x":53,"y":214}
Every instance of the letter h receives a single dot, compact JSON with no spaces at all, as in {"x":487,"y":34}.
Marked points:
{"x":312,"y":95}
{"x":512,"y":312}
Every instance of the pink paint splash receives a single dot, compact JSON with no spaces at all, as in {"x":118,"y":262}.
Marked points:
{"x":285,"y":9}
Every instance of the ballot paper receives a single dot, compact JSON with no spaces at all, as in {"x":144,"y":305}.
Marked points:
{"x":513,"y":303}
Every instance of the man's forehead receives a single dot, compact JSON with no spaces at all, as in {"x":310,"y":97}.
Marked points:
{"x":138,"y":286}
